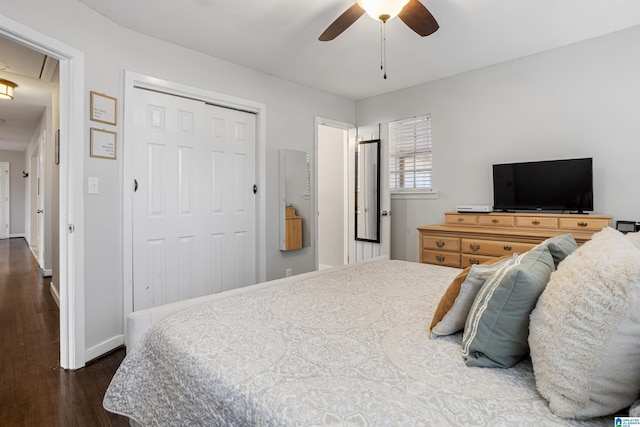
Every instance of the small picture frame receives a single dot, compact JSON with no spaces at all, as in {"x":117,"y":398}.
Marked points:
{"x":104,"y":108}
{"x":103,"y":144}
{"x":626,"y":226}
{"x":57,"y":148}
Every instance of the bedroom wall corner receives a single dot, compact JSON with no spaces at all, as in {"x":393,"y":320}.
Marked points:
{"x":576,"y":101}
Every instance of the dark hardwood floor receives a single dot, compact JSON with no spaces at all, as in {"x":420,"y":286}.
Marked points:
{"x":34,"y":391}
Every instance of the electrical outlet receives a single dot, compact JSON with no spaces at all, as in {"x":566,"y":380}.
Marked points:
{"x":287,"y":272}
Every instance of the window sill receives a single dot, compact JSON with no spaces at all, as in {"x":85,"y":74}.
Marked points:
{"x":415,"y":195}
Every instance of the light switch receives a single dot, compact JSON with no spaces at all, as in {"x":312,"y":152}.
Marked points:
{"x":93,"y":185}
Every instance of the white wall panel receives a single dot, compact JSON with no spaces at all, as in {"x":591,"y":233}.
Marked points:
{"x":186,"y":168}
{"x":156,"y":170}
{"x":217,"y":262}
{"x":186,"y":270}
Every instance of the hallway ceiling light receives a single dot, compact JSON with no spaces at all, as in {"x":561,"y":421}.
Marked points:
{"x":6,"y":89}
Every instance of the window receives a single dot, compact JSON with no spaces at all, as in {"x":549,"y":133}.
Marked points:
{"x":410,"y":157}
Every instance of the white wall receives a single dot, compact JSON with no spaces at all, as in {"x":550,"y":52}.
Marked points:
{"x":17,"y":191}
{"x":109,"y":50}
{"x":578,"y":101}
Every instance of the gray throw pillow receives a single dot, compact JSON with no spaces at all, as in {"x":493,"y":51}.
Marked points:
{"x":561,"y":247}
{"x":497,"y":329}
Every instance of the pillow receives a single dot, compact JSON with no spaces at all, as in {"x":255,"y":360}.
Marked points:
{"x":634,"y":411}
{"x":634,"y":238}
{"x":561,"y":247}
{"x":454,"y":306}
{"x":497,"y":329}
{"x":585,"y":330}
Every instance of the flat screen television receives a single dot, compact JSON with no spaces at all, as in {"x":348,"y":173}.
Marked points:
{"x":554,"y":185}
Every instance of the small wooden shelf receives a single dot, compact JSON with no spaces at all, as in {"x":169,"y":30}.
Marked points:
{"x":293,"y":229}
{"x":466,"y":239}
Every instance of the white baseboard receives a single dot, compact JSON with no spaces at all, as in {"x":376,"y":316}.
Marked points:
{"x":55,"y":294}
{"x":104,"y":347}
{"x":47,"y":273}
{"x":17,"y":235}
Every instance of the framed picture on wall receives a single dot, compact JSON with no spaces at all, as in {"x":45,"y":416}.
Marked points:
{"x":103,"y":144}
{"x":104,"y":109}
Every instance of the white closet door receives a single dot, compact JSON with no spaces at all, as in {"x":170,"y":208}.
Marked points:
{"x":186,"y":242}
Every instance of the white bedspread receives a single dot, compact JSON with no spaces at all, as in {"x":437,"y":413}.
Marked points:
{"x":349,"y":347}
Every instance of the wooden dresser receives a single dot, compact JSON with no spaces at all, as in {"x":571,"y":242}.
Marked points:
{"x":466,"y":239}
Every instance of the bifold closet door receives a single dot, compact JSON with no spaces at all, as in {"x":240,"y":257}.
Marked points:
{"x":194,"y":216}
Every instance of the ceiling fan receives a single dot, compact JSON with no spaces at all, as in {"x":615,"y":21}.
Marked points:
{"x":411,"y":12}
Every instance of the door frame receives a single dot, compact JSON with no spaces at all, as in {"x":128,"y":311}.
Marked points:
{"x":133,"y":80}
{"x":5,"y":231}
{"x":321,"y":121}
{"x":70,"y":194}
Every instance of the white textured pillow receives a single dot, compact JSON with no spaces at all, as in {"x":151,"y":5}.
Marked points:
{"x":585,"y":331}
{"x":634,"y":238}
{"x":455,"y":318}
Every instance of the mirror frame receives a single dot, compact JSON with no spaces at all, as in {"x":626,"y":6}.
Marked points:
{"x":360,"y":145}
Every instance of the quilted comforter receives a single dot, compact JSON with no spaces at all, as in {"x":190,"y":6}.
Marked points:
{"x":346,"y":347}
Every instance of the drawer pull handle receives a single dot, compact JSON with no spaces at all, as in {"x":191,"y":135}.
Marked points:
{"x":460,"y":219}
{"x":535,"y":222}
{"x":473,"y":261}
{"x":439,"y":258}
{"x":582,"y":224}
{"x":495,"y":220}
{"x":507,"y":247}
{"x":440,"y":243}
{"x":474,"y":246}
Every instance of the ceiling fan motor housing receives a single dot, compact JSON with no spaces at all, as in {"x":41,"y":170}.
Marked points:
{"x":382,"y":10}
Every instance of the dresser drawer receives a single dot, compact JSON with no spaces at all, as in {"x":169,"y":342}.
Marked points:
{"x":537,"y":222}
{"x":449,"y":259}
{"x":493,"y":247}
{"x":496,"y":221}
{"x":441,"y":243}
{"x":461,"y":219}
{"x":468,"y":259}
{"x":589,"y":224}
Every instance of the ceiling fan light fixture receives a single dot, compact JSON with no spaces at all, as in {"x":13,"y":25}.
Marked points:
{"x":382,"y":10}
{"x":6,"y":89}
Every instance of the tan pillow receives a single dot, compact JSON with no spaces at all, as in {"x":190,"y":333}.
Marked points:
{"x":449,"y":298}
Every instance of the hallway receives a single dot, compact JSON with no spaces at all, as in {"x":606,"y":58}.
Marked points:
{"x":34,"y":391}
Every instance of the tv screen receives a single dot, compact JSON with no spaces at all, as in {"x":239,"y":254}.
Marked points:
{"x":565,"y":185}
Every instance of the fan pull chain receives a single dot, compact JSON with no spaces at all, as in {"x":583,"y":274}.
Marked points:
{"x":383,"y":47}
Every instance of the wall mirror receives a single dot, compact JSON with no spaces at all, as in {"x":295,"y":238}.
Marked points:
{"x":367,"y":222}
{"x":295,"y":200}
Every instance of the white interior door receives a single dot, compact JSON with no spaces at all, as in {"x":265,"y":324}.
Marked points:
{"x":5,"y":200}
{"x":34,"y":200}
{"x":332,"y":191}
{"x":363,"y":250}
{"x":194,"y":220}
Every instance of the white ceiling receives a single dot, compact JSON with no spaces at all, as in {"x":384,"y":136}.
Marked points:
{"x":280,"y":37}
{"x":35,"y":75}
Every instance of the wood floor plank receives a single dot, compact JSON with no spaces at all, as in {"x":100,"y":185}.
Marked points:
{"x":34,"y":390}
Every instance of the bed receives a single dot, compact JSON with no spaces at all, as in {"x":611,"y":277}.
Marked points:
{"x":344,"y":346}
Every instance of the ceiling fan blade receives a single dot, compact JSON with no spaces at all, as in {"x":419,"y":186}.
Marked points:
{"x":343,"y":22}
{"x":418,"y":18}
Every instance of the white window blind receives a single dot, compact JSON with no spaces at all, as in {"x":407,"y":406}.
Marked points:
{"x":410,"y":159}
